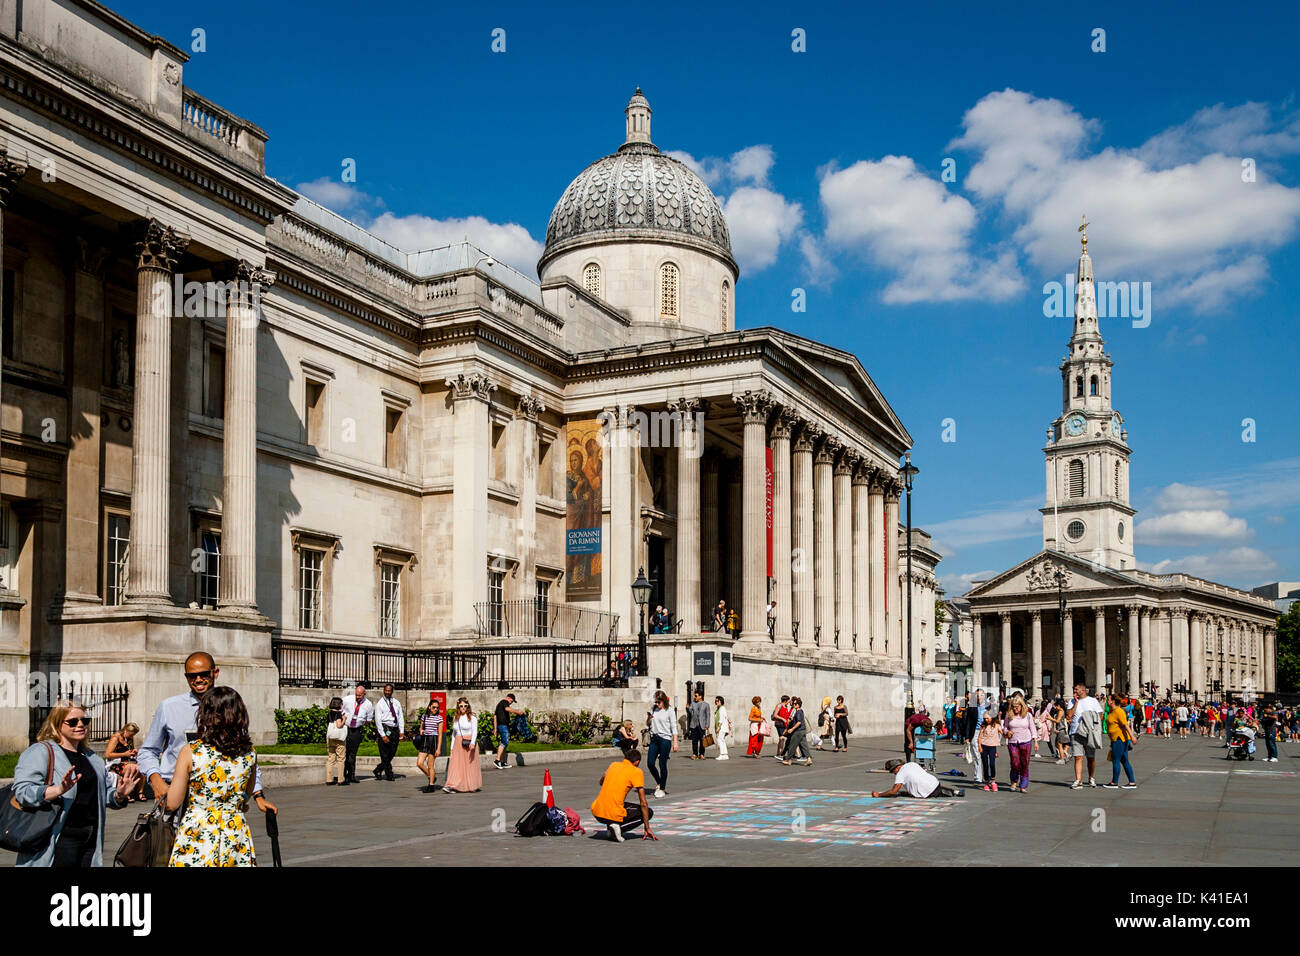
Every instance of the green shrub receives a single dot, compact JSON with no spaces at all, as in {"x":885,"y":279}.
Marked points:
{"x":580,"y":728}
{"x":307,"y":726}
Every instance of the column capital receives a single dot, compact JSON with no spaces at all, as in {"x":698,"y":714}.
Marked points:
{"x":1133,"y":608}
{"x":158,"y":246}
{"x":1006,"y":616}
{"x":1178,"y":613}
{"x":475,"y":385}
{"x":1099,"y":612}
{"x":1036,"y":615}
{"x":687,"y":408}
{"x":847,"y":463}
{"x":809,"y":434}
{"x":1069,"y":615}
{"x":529,"y":407}
{"x":1145,"y":610}
{"x":754,"y":406}
{"x":11,"y":170}
{"x":862,"y":471}
{"x":828,"y":451}
{"x":892,"y":489}
{"x":784,"y":423}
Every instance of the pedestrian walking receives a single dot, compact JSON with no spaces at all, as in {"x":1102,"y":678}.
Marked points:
{"x":825,"y":724}
{"x":721,"y":727}
{"x":357,"y":712}
{"x":390,"y":729}
{"x":662,"y":724}
{"x":214,"y":779}
{"x":842,"y":728}
{"x":780,"y":721}
{"x":923,"y":739}
{"x":990,"y":736}
{"x":720,"y":617}
{"x":78,"y":780}
{"x":1060,"y":730}
{"x":464,"y":775}
{"x":755,"y":748}
{"x":972,"y":721}
{"x":1121,"y":742}
{"x":1085,"y":734}
{"x":697,"y":725}
{"x":336,"y":743}
{"x":796,"y":730}
{"x":430,"y":743}
{"x":507,"y":707}
{"x":1020,"y":730}
{"x":949,"y":718}
{"x":1268,"y":724}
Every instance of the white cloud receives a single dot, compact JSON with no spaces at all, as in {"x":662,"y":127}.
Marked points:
{"x":1245,"y":130}
{"x":1015,"y":521}
{"x":509,"y":242}
{"x":1190,"y":527}
{"x":894,"y":215}
{"x":955,"y":585}
{"x":334,"y":195}
{"x":1178,"y":496}
{"x":1230,"y":564}
{"x":752,"y":164}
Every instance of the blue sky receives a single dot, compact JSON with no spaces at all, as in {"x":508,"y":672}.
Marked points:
{"x":829,"y":165}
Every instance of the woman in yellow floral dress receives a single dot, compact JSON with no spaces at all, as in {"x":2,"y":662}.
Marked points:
{"x":216,"y":772}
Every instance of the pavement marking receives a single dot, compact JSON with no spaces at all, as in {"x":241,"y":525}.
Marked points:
{"x":386,"y":846}
{"x":1234,"y":772}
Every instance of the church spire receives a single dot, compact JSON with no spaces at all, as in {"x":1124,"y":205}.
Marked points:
{"x":1085,"y":293}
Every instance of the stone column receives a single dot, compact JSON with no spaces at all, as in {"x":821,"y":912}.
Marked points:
{"x":11,"y":170}
{"x":734,"y":537}
{"x":528,"y":410}
{"x":710,"y":556}
{"x":1197,"y":681}
{"x":894,"y":609}
{"x":977,"y":648}
{"x":824,"y":540}
{"x":1035,"y":681}
{"x":246,"y":284}
{"x":1099,"y":649}
{"x":877,"y":544}
{"x":689,"y":451}
{"x":159,"y":248}
{"x":754,"y":409}
{"x":1006,"y":646}
{"x":781,"y":543}
{"x":1067,"y":653}
{"x":471,"y":393}
{"x":843,"y":533}
{"x":1181,"y":652}
{"x":1134,"y":644}
{"x":83,"y":473}
{"x":861,"y":560}
{"x":803,"y":570}
{"x":624,"y":539}
{"x":1270,"y":660}
{"x":1145,"y":669}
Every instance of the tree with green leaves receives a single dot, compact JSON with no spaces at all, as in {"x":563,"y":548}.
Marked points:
{"x":1288,"y":650}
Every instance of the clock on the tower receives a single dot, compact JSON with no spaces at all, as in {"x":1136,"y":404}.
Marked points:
{"x":1074,"y":425}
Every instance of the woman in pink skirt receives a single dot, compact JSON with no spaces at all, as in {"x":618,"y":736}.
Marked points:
{"x":463,"y":772}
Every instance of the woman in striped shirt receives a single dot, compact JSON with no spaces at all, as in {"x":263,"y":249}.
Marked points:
{"x":431,"y":747}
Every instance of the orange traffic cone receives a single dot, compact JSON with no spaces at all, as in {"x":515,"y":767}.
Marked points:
{"x":548,"y":794}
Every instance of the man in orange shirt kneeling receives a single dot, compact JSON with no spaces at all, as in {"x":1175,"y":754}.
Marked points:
{"x":611,"y":807}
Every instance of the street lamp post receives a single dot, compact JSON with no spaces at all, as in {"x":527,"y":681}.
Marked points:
{"x":641,"y":595}
{"x":907,"y":473}
{"x":1060,"y":604}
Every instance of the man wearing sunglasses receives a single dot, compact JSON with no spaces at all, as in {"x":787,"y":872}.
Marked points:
{"x":174,"y":725}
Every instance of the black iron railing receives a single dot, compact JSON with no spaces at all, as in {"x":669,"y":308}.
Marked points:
{"x":105,"y":704}
{"x":303,"y":664}
{"x":544,"y":620}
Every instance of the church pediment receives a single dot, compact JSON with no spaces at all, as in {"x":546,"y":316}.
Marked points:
{"x":1038,"y":575}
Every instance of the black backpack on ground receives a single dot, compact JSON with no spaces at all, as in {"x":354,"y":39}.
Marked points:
{"x":534,"y":822}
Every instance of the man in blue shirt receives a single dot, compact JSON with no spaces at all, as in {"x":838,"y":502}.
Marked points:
{"x":174,"y":725}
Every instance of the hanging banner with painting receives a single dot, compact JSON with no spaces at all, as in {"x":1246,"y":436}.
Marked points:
{"x":582,"y":544}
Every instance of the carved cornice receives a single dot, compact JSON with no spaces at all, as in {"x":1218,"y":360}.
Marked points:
{"x":474,"y":385}
{"x":11,"y":170}
{"x":529,"y":407}
{"x":158,"y":246}
{"x":754,"y":406}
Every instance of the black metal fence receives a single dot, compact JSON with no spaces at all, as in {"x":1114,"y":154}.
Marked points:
{"x":303,"y":664}
{"x":544,"y":620}
{"x":105,"y":704}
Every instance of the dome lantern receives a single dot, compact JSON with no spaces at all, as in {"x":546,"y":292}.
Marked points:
{"x":638,"y":118}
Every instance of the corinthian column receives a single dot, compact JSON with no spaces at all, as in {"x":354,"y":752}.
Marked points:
{"x":1006,"y":646}
{"x":1035,"y":681}
{"x":877,"y":549}
{"x":238,"y":581}
{"x":861,"y":561}
{"x":824,"y":540}
{"x":802,"y":570}
{"x":894,"y":609}
{"x":688,"y":514}
{"x":1067,"y":653}
{"x":1180,"y":653}
{"x":159,"y":248}
{"x":781,"y":428}
{"x":843,"y":491}
{"x":1197,"y":654}
{"x":472,"y":449}
{"x":11,"y":170}
{"x":1134,"y":649}
{"x":1099,"y":649}
{"x":754,"y":409}
{"x":528,"y":410}
{"x":710,"y":559}
{"x":977,"y":648}
{"x":1144,"y":649}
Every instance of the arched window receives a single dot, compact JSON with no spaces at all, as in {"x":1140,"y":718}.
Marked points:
{"x":1078,"y":387}
{"x":1076,"y":479}
{"x":1118,"y":480}
{"x":1092,"y":386}
{"x":726,"y":303}
{"x":591,"y":278}
{"x":668,"y":291}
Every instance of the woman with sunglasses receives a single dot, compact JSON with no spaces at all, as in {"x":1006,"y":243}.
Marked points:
{"x":431,"y":746}
{"x":464,"y":775}
{"x":79,"y":780}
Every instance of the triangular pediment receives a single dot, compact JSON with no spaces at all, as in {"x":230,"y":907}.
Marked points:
{"x":1037,"y":575}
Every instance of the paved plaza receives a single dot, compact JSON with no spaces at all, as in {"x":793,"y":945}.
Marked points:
{"x":1192,"y":808}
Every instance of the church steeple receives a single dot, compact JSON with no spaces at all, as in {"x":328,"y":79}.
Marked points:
{"x":1087,"y":510}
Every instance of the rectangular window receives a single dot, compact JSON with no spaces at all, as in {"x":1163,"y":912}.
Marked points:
{"x":542,"y":609}
{"x":117,"y":546}
{"x":496,"y":602}
{"x":8,"y":549}
{"x":390,"y":601}
{"x":214,"y":401}
{"x":208,"y":579}
{"x":311,"y":588}
{"x":393,"y":445}
{"x":314,"y":413}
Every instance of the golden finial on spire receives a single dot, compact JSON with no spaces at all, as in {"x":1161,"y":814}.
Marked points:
{"x":1084,"y":230}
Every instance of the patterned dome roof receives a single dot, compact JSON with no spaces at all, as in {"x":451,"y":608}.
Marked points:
{"x":638,"y":192}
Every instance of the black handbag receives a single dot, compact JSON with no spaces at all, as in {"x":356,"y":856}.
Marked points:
{"x":418,"y":740}
{"x":28,"y":829}
{"x":150,"y":841}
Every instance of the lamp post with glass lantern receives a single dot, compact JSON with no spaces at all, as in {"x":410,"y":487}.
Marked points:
{"x":907,"y":473}
{"x":641,"y":595}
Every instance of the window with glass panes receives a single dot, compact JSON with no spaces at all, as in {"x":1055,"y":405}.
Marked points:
{"x":390,"y":600}
{"x":311,"y":588}
{"x":542,"y":609}
{"x":117,"y":543}
{"x":496,"y":602}
{"x":209,"y":573}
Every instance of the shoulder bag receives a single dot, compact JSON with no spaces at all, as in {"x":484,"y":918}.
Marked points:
{"x":28,"y":829}
{"x":150,"y":841}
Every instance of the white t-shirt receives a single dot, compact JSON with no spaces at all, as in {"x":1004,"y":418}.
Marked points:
{"x":663,"y":723}
{"x":1182,"y":714}
{"x":915,"y":780}
{"x":1082,"y":707}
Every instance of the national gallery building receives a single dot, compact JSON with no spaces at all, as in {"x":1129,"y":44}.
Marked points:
{"x":233,"y":420}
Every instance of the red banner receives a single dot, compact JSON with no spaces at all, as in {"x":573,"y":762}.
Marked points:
{"x":768,"y":495}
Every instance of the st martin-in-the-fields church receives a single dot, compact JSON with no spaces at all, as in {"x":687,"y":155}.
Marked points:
{"x":1127,"y":628}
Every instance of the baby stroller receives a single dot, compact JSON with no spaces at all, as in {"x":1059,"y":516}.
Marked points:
{"x":1241,"y":744}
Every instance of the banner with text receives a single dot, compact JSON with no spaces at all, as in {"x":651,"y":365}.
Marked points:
{"x":582,"y":542}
